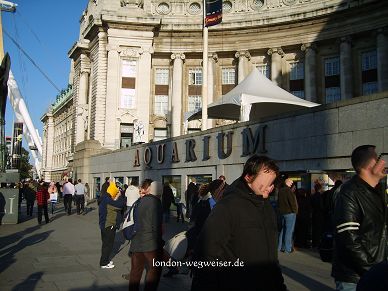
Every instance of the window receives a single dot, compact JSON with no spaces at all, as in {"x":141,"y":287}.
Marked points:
{"x":333,"y":94}
{"x":228,"y":76}
{"x":369,"y":88}
{"x":369,"y":60}
{"x":195,"y":76}
{"x":126,"y":135}
{"x":160,"y":133}
{"x":332,"y":66}
{"x":299,"y":94}
{"x":161,"y":76}
{"x":128,"y":68}
{"x":369,"y":72}
{"x":332,"y":79}
{"x":161,"y":105}
{"x":264,"y":69}
{"x":195,"y":103}
{"x":297,"y":71}
{"x":127,"y":98}
{"x":297,"y":79}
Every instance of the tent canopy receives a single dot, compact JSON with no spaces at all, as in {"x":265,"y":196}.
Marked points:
{"x":255,"y":97}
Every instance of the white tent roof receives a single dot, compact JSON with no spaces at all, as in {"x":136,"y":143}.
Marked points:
{"x":255,"y":97}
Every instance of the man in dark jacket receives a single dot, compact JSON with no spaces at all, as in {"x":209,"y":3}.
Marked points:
{"x":146,"y":245}
{"x":191,"y":193}
{"x":359,"y":219}
{"x":167,"y":200}
{"x":239,"y":238}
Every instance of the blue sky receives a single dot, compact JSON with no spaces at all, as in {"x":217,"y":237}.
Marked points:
{"x":46,"y":30}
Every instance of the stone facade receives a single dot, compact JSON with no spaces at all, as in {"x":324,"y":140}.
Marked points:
{"x":57,"y":137}
{"x":139,"y":61}
{"x":315,"y":140}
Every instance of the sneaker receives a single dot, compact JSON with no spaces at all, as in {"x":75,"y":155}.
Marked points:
{"x":108,"y":266}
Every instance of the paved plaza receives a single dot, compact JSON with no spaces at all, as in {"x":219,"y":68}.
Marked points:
{"x":64,"y":255}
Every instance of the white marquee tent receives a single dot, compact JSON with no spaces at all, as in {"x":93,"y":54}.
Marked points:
{"x":254,"y":98}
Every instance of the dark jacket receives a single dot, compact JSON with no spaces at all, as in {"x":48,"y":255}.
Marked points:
{"x":167,"y":198}
{"x":287,"y":201}
{"x":359,"y":220}
{"x":109,"y":211}
{"x":149,"y":219}
{"x":241,"y":227}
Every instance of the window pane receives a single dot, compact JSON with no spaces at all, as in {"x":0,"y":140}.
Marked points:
{"x":129,"y":68}
{"x":369,"y":88}
{"x":161,"y":76}
{"x":228,"y":76}
{"x":195,"y":76}
{"x":161,"y":105}
{"x":264,"y":69}
{"x":160,"y":133}
{"x":369,"y":60}
{"x":332,"y":66}
{"x":195,"y":103}
{"x":127,"y":98}
{"x":333,"y":94}
{"x":299,"y":94}
{"x":297,"y":71}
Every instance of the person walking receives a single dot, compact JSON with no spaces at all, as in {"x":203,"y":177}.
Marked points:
{"x":167,"y":200}
{"x":53,"y":192}
{"x":30,"y":196}
{"x":80,"y":196}
{"x":288,"y":209}
{"x":241,"y":229}
{"x":191,"y":194}
{"x":132,"y":193}
{"x":360,"y":209}
{"x":68,"y":193}
{"x":42,"y":196}
{"x":147,"y":245}
{"x":110,"y":218}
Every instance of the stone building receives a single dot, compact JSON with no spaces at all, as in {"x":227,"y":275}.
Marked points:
{"x":57,"y":137}
{"x":137,"y":64}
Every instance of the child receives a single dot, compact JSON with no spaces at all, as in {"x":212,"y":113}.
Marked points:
{"x":53,"y":196}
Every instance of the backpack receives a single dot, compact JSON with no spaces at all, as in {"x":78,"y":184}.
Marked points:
{"x":130,"y":225}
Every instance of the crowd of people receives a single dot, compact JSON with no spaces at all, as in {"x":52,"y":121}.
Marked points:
{"x":240,"y":223}
{"x":48,"y":194}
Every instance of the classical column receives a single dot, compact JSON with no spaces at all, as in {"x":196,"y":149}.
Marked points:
{"x":310,"y":89}
{"x":382,"y":59}
{"x":49,"y":145}
{"x":98,"y":129}
{"x":243,"y":57}
{"x":82,"y":107}
{"x":144,"y":88}
{"x":276,"y":64}
{"x":346,"y":68}
{"x":213,"y":59}
{"x":113,"y":97}
{"x":176,"y":102}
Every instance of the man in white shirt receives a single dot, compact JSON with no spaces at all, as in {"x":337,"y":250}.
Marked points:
{"x":132,"y":193}
{"x":79,"y":196}
{"x":68,"y":192}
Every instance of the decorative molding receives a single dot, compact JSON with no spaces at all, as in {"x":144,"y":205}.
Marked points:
{"x":178,"y":56}
{"x":346,"y":39}
{"x":85,"y":64}
{"x":277,"y":50}
{"x":129,"y":53}
{"x":213,"y":57}
{"x":308,"y":46}
{"x":243,"y":53}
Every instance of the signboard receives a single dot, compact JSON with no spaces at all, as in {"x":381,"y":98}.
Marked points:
{"x":213,"y":12}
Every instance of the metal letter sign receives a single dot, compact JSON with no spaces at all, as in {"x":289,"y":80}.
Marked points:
{"x":213,"y":12}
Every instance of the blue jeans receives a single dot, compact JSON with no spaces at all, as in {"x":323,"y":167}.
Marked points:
{"x":345,"y":286}
{"x":285,"y":235}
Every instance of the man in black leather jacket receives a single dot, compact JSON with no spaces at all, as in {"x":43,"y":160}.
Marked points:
{"x":359,"y":219}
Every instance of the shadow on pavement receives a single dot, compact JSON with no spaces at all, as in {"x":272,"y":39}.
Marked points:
{"x":306,"y":281}
{"x":7,"y":255}
{"x":29,"y":283}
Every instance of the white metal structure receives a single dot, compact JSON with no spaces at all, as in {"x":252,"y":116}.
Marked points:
{"x":22,"y":115}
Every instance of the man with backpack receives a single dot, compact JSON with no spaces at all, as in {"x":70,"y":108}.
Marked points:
{"x":147,"y":244}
